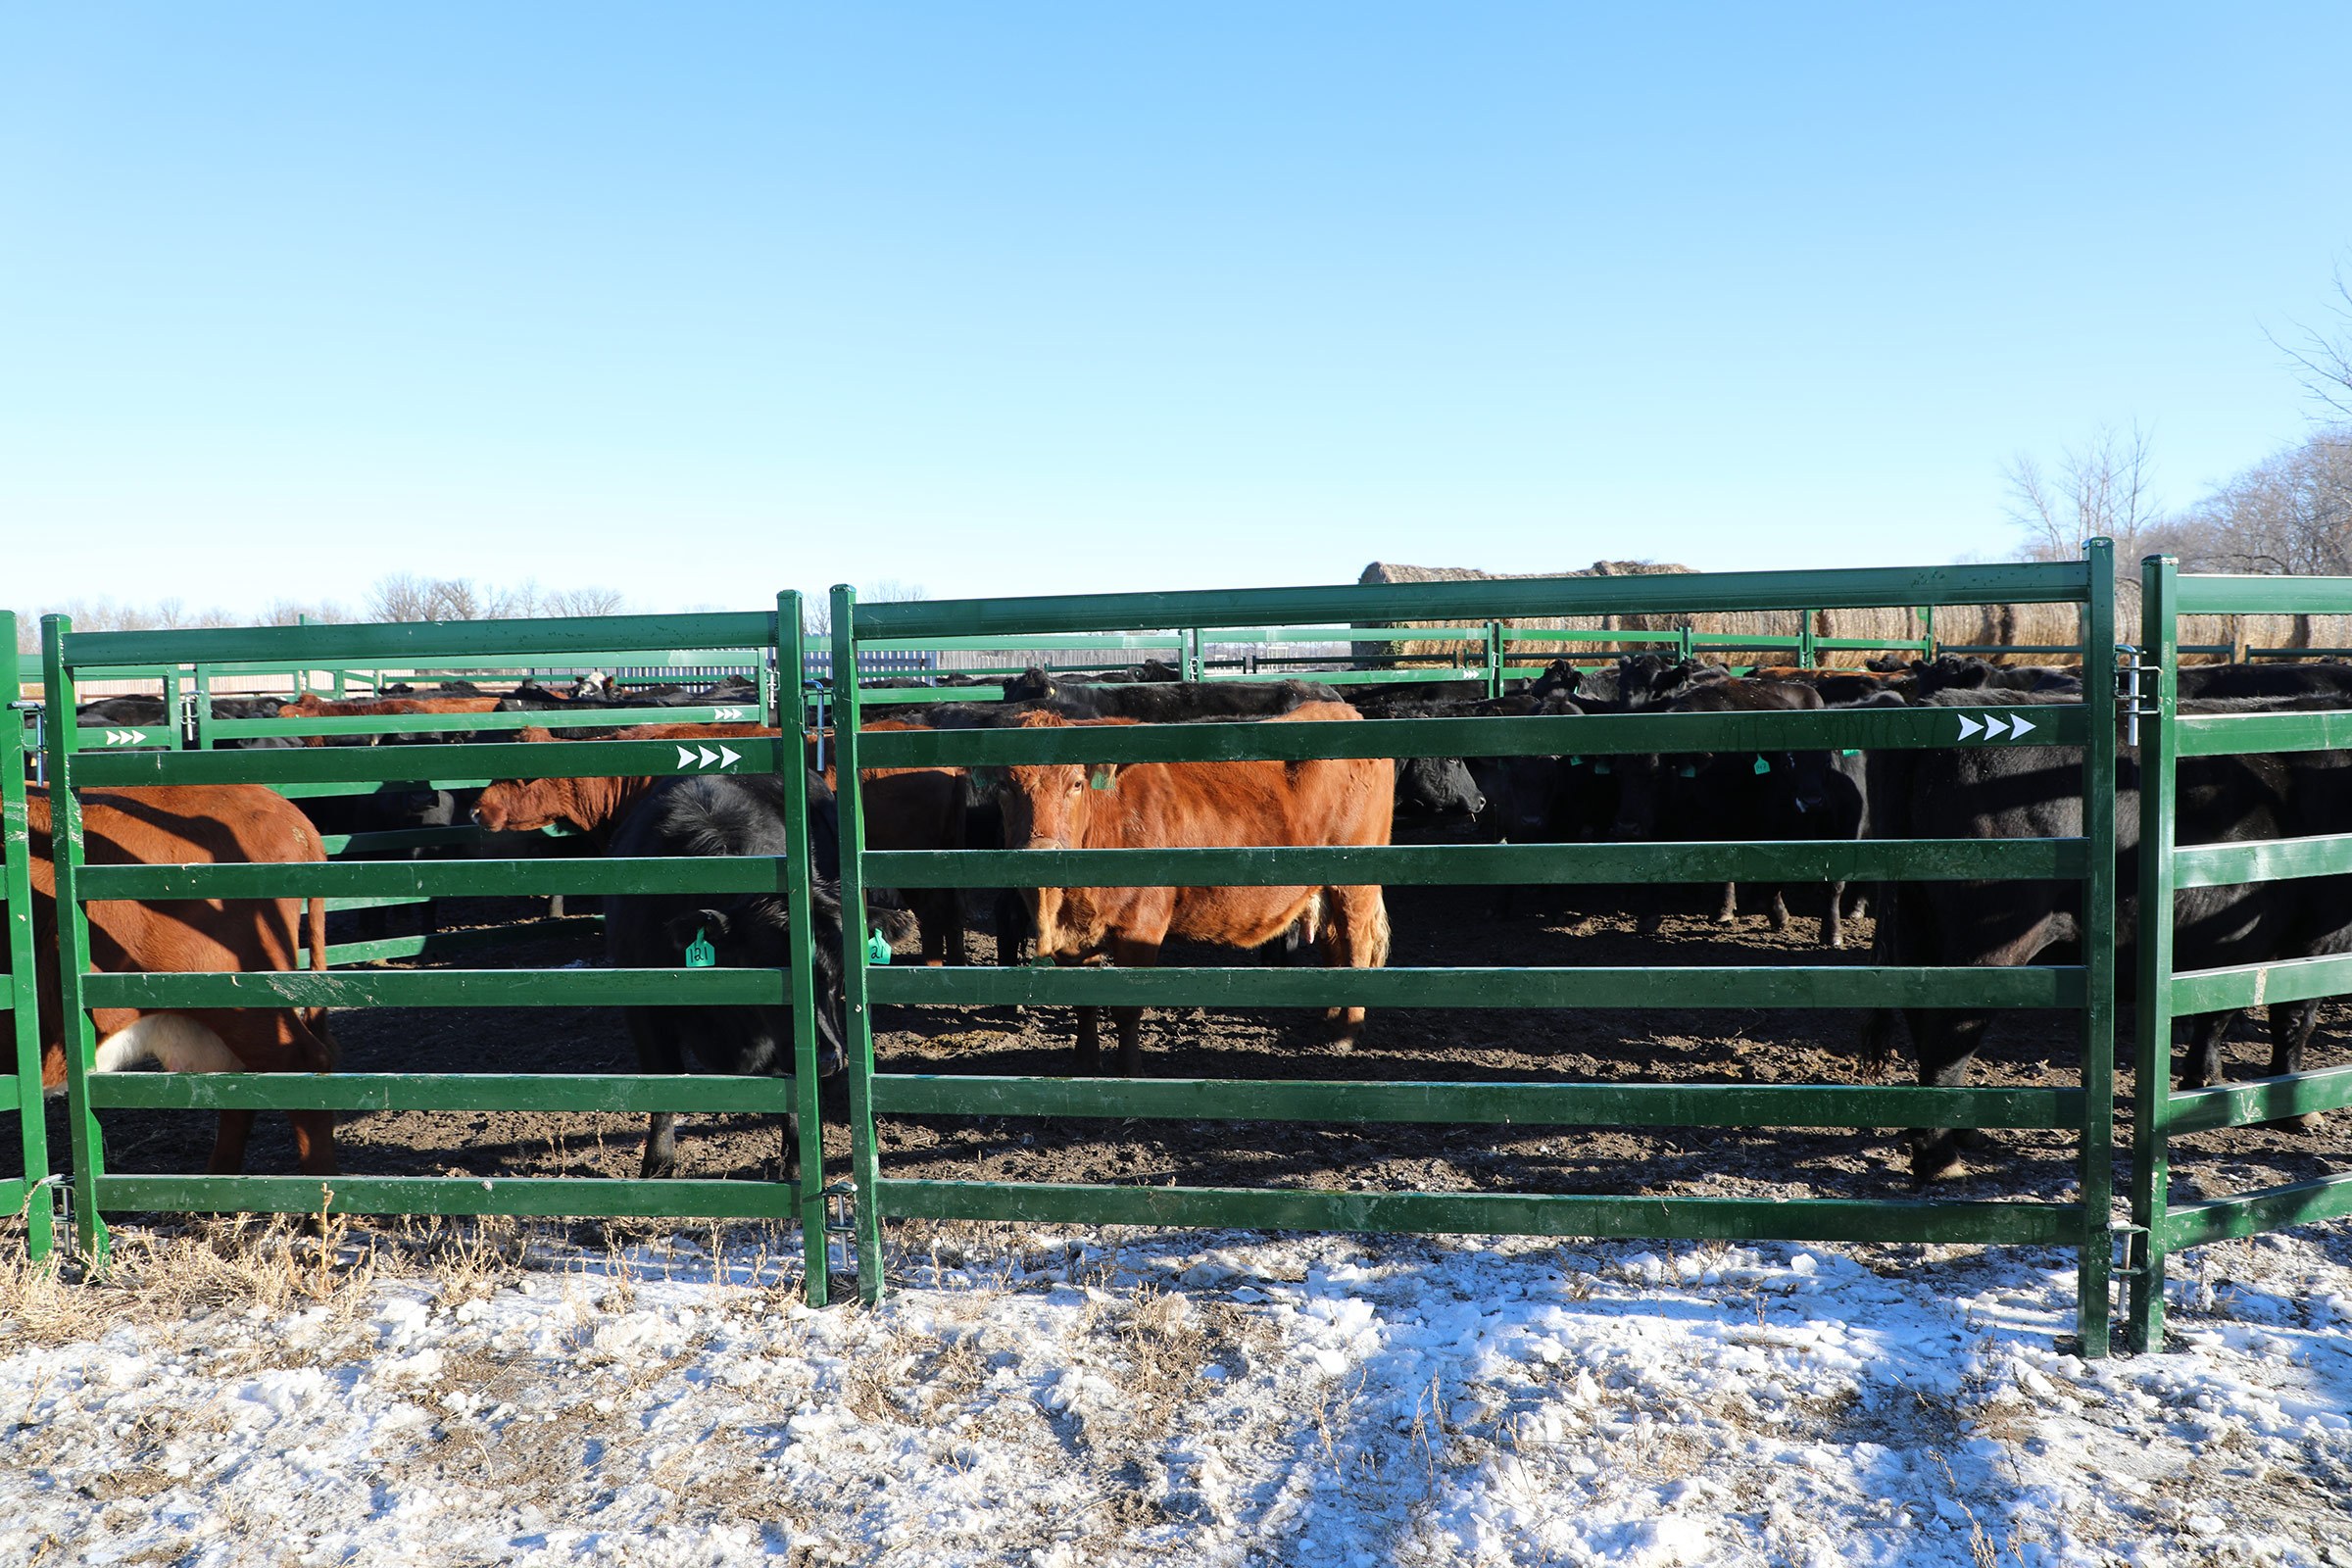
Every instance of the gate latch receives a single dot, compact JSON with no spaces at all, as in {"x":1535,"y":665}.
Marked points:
{"x":2135,"y":689}
{"x":840,"y":1224}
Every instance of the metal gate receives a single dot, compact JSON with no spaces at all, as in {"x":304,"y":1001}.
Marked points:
{"x":68,"y":655}
{"x":2160,"y":1226}
{"x":2087,"y":989}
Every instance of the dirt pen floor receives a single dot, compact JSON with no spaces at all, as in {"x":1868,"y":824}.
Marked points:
{"x":1434,"y":926}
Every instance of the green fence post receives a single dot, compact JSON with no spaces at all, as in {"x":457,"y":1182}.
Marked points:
{"x":1194,"y":666}
{"x":1927,"y":632}
{"x":79,"y":1037}
{"x":2152,"y":1061}
{"x":2095,"y":1258}
{"x":204,"y":707}
{"x":1807,"y":652}
{"x":807,"y":1106}
{"x":16,"y":868}
{"x":1493,"y":659}
{"x":865,"y":1167}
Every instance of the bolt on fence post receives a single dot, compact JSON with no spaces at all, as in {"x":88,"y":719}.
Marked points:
{"x":2095,"y":1259}
{"x":2152,"y":1054}
{"x":79,"y":1037}
{"x":859,"y":1035}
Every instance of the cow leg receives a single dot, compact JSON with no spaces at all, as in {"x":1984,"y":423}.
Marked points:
{"x":1729,"y":909}
{"x":657,"y":1051}
{"x":1833,"y":924}
{"x":1355,"y":936}
{"x":1780,"y":908}
{"x":1137,"y":950}
{"x":1947,"y":1043}
{"x":2291,"y":1024}
{"x":2201,"y":1063}
{"x":313,"y":1141}
{"x":1090,"y":1044}
{"x":229,"y":1142}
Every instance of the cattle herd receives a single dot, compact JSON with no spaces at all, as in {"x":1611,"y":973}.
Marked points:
{"x":1992,"y":792}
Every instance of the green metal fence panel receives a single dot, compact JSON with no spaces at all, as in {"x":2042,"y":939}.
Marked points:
{"x":24,"y":1177}
{"x":1472,"y":607}
{"x":2160,"y":1226}
{"x":79,"y":760}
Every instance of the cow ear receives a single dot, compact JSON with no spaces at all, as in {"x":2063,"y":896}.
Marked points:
{"x":701,"y":925}
{"x":1104,"y":775}
{"x":989,"y":779}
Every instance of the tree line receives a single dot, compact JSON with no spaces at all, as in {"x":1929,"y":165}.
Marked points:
{"x":2289,"y":513}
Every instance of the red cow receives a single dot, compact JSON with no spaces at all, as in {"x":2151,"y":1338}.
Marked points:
{"x":206,"y":825}
{"x":1202,"y":805}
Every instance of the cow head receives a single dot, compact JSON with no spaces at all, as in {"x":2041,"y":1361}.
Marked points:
{"x":755,"y":933}
{"x":1047,"y":806}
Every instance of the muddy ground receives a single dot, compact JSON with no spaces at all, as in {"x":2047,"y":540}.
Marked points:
{"x":1434,"y":926}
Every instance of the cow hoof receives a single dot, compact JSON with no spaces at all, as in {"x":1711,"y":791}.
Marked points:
{"x":1342,"y":1048}
{"x":1936,"y":1159}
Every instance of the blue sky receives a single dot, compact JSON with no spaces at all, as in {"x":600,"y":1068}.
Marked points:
{"x":702,"y":302}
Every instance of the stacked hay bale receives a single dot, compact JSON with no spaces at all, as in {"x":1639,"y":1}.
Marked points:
{"x":1779,"y":623}
{"x":2010,"y":625}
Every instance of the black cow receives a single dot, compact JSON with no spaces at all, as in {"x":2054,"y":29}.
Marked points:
{"x":2265,"y":680}
{"x":1954,"y":672}
{"x":1439,"y":788}
{"x":1740,"y":796}
{"x":2036,"y":792}
{"x":725,"y":815}
{"x":1167,"y":702}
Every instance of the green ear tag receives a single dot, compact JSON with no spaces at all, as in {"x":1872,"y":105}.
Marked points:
{"x":1576,"y":761}
{"x":1849,"y":752}
{"x":1689,"y":771}
{"x":1762,"y":766}
{"x":1099,"y":779}
{"x":877,"y":947}
{"x":698,"y":954}
{"x":1600,"y":768}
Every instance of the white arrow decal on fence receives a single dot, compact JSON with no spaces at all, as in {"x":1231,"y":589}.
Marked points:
{"x":123,"y":737}
{"x":685,"y":757}
{"x":709,"y":755}
{"x":728,"y":756}
{"x":2018,"y":727}
{"x":727,"y":712}
{"x":1996,"y":728}
{"x":1969,"y":727}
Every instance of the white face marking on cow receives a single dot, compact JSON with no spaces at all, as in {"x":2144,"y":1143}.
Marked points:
{"x":173,"y":1041}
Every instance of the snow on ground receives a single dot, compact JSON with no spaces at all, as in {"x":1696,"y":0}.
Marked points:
{"x":1044,"y":1398}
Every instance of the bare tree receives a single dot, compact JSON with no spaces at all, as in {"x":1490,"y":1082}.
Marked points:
{"x":585,"y":602}
{"x":2289,"y":513}
{"x":2104,"y":487}
{"x":2322,"y":356}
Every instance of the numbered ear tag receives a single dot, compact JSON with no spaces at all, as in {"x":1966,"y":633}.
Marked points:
{"x":1099,"y":779}
{"x":1763,"y":767}
{"x":877,"y":947}
{"x":699,"y":955}
{"x":1689,"y":771}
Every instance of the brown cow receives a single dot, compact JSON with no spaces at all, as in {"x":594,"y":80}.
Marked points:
{"x":906,"y":808}
{"x":593,"y":807}
{"x":1202,"y":805}
{"x":206,"y":825}
{"x":310,"y":704}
